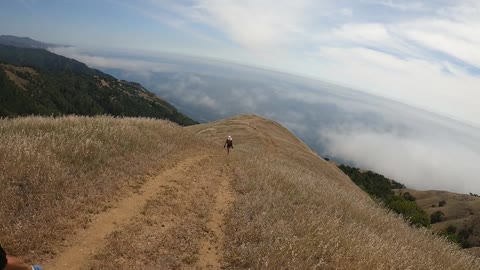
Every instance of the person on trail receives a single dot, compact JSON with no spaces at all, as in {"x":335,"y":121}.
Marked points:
{"x":228,"y":144}
{"x":12,"y":263}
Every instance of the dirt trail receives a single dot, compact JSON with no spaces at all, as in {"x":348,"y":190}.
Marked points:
{"x":88,"y":242}
{"x":211,"y":248}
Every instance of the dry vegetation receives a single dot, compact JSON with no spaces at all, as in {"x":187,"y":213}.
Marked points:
{"x":461,"y":211}
{"x":172,"y":226}
{"x":292,"y":210}
{"x":295,"y":211}
{"x":56,"y":173}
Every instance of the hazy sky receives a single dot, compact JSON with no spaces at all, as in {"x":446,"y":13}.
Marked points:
{"x":423,"y":53}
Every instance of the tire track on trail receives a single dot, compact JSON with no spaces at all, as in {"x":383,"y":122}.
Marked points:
{"x":88,"y":242}
{"x":211,"y":248}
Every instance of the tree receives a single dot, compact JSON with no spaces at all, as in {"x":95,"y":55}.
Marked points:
{"x":408,"y":196}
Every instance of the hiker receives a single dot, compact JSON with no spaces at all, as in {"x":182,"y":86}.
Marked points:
{"x":12,"y":263}
{"x":228,"y":144}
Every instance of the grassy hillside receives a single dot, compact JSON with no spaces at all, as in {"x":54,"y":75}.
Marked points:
{"x":58,"y":172}
{"x":289,"y":208}
{"x":460,"y":214}
{"x":296,"y":211}
{"x":35,"y":81}
{"x":453,"y":215}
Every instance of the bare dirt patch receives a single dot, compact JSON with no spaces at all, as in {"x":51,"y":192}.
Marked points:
{"x":20,"y":69}
{"x":212,"y":246}
{"x":11,"y":72}
{"x":104,"y":83}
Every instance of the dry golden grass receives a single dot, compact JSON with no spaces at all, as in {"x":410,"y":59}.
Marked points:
{"x":56,"y":173}
{"x":292,"y":210}
{"x":474,"y":251}
{"x":461,"y":210}
{"x":295,"y":211}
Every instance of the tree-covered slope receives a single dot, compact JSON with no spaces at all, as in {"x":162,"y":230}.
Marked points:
{"x":36,"y":81}
{"x":382,"y":188}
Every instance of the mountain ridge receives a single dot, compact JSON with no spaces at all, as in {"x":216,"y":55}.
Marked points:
{"x":25,"y":42}
{"x":36,"y":81}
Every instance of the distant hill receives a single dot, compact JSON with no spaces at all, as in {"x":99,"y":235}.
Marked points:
{"x":460,"y":214}
{"x":36,"y":81}
{"x":456,"y":216}
{"x":383,"y":189}
{"x":24,"y":42}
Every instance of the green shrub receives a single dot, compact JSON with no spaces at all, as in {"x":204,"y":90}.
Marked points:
{"x":438,"y":216}
{"x":451,"y":229}
{"x":408,"y":196}
{"x":410,"y":210}
{"x":464,"y":234}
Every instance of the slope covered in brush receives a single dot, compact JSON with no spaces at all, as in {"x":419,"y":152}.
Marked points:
{"x":36,"y":81}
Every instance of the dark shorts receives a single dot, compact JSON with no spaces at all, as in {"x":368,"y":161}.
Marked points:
{"x":3,"y":258}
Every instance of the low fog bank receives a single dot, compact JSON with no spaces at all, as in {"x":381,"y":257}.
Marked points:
{"x":419,"y":163}
{"x":418,"y":148}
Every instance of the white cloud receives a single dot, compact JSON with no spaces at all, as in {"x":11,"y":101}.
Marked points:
{"x":139,"y":66}
{"x":420,"y":164}
{"x":459,"y":40}
{"x":346,"y":12}
{"x":255,"y":24}
{"x":207,"y":101}
{"x":403,"y":6}
{"x":413,"y":81}
{"x":363,"y":33}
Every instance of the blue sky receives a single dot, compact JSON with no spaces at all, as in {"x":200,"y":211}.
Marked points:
{"x":423,"y":53}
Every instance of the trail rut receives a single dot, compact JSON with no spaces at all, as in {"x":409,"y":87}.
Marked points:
{"x":89,"y":241}
{"x":211,"y":247}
